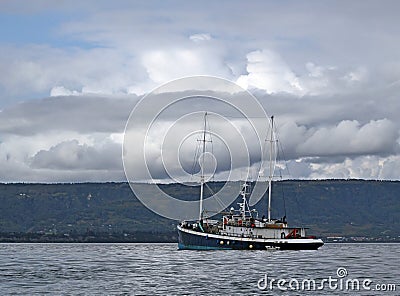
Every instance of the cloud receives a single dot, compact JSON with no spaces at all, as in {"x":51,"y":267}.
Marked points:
{"x":75,"y":135}
{"x":333,"y":87}
{"x":362,"y":167}
{"x":20,"y":172}
{"x":349,"y":138}
{"x":108,"y":49}
{"x":43,"y":70}
{"x":165,"y":65}
{"x":82,"y":114}
{"x":60,"y":158}
{"x":267,"y":71}
{"x":58,"y":91}
{"x":200,"y":37}
{"x":64,"y":139}
{"x":345,"y":150}
{"x":70,"y":155}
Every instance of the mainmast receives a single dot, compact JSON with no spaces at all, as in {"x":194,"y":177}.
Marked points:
{"x":270,"y":169}
{"x":202,"y":168}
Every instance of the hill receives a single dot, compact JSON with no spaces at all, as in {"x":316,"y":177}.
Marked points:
{"x":351,"y":208}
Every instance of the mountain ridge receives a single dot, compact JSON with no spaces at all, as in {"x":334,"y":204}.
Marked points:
{"x":331,"y":207}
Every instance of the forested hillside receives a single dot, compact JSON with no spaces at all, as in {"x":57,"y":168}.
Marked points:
{"x":328,"y":207}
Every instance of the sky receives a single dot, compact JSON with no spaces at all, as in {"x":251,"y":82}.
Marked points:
{"x":72,"y":72}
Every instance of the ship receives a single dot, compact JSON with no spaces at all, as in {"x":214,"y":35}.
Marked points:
{"x":242,"y":228}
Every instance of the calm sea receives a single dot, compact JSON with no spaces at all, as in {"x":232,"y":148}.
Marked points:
{"x":160,"y":269}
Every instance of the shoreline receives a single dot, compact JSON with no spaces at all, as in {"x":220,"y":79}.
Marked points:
{"x":151,"y":238}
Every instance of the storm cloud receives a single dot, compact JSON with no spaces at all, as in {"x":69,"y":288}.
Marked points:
{"x":329,"y":73}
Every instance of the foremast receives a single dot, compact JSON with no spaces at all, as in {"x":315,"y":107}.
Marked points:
{"x":203,"y":140}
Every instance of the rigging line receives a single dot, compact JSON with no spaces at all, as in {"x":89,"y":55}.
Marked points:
{"x":247,"y":203}
{"x":281,"y":178}
{"x":212,"y":145}
{"x":219,"y":201}
{"x":264,"y":148}
{"x":280,"y":147}
{"x":284,"y":201}
{"x":283,"y":192}
{"x":280,"y":173}
{"x":237,"y":116}
{"x":245,"y":117}
{"x":299,"y":208}
{"x":195,"y":156}
{"x":261,"y":164}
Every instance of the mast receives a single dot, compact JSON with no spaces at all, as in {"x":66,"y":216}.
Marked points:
{"x":202,"y":168}
{"x":270,"y":169}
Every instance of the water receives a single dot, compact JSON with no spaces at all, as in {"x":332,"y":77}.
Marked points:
{"x":160,"y":269}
